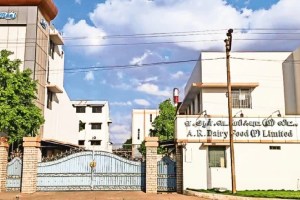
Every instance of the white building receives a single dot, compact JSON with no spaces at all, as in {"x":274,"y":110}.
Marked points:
{"x":266,"y":140}
{"x":141,"y":127}
{"x":93,"y":123}
{"x":26,"y":30}
{"x":61,"y":121}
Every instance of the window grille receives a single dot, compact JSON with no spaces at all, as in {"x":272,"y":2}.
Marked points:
{"x":241,"y":98}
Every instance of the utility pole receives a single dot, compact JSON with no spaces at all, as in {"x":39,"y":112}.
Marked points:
{"x":228,"y":43}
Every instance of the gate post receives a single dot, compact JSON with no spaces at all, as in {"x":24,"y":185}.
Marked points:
{"x":3,"y":163}
{"x":30,"y":161}
{"x":151,"y":164}
{"x":179,"y":168}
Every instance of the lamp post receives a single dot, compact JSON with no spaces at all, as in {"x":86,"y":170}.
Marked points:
{"x":228,"y":43}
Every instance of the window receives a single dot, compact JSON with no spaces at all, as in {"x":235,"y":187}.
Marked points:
{"x":81,"y":125}
{"x":150,"y":117}
{"x":51,"y":49}
{"x":97,"y":109}
{"x":80,"y":109}
{"x":138,"y":136}
{"x":198,"y":103}
{"x":216,"y":156}
{"x":95,"y":142}
{"x":275,"y":147}
{"x":49,"y":99}
{"x":241,"y":98}
{"x":81,"y":142}
{"x":96,"y":125}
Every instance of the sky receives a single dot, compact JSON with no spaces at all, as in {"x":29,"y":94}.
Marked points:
{"x":130,"y":52}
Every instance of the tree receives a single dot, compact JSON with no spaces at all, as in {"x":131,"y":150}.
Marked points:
{"x":163,"y":125}
{"x":19,"y":116}
{"x":127,"y":144}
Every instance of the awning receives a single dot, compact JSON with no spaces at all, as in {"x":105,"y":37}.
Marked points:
{"x":60,"y":143}
{"x":54,"y":88}
{"x":216,"y":144}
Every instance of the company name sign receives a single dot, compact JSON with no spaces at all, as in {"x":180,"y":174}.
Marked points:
{"x":8,"y":15}
{"x":243,"y":128}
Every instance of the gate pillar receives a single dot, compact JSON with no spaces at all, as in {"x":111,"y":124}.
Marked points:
{"x":151,"y":164}
{"x":3,"y":163}
{"x":179,"y":168}
{"x":30,"y":161}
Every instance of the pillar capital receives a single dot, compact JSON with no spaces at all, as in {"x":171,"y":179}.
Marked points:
{"x":151,"y":141}
{"x":4,"y":142}
{"x":31,"y":142}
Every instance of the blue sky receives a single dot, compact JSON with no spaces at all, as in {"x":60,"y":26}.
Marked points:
{"x":92,"y":29}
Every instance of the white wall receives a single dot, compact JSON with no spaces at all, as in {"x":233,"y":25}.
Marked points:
{"x":257,"y":167}
{"x":266,"y":98}
{"x":291,"y":73}
{"x":141,"y":121}
{"x":61,"y":122}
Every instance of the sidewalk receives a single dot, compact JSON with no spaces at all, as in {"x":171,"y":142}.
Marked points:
{"x":95,"y":195}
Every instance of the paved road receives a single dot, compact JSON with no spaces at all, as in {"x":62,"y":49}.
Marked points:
{"x":92,"y":195}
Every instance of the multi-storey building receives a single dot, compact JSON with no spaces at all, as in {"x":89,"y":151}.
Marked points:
{"x":141,"y":127}
{"x":93,"y":124}
{"x":26,"y":30}
{"x":265,"y":133}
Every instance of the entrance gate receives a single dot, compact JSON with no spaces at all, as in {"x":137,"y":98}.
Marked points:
{"x":14,"y":173}
{"x":90,"y":170}
{"x":166,"y":175}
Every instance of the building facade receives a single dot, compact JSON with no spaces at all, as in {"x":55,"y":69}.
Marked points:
{"x":26,"y":30}
{"x":265,"y":136}
{"x":93,"y":124}
{"x":141,"y":127}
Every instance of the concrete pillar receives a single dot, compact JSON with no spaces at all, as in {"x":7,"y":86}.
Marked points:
{"x":3,"y":163}
{"x":30,"y":160}
{"x":151,"y":164}
{"x":179,"y":168}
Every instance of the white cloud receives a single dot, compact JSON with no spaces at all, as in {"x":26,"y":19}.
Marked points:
{"x":87,"y":37}
{"x":127,"y":103}
{"x":177,"y":75}
{"x":78,"y":2}
{"x":140,"y":60}
{"x":152,"y":89}
{"x":89,"y":76}
{"x":191,"y":15}
{"x":119,"y":133}
{"x":151,"y":79}
{"x":142,"y":102}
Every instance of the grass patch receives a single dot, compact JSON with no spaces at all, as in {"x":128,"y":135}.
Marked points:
{"x":280,"y":194}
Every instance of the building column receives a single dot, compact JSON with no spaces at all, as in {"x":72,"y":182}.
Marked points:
{"x":179,"y":168}
{"x":151,"y":164}
{"x":30,"y":161}
{"x":3,"y":163}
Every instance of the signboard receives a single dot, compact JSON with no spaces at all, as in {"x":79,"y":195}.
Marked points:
{"x":8,"y":15}
{"x":243,"y":128}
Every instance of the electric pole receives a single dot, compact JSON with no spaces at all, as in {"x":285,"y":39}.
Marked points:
{"x":228,"y":43}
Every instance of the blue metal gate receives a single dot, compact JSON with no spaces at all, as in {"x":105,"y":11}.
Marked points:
{"x":14,"y":173}
{"x":166,"y":175}
{"x":89,"y":170}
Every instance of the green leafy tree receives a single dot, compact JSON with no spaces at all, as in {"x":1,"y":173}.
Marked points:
{"x":163,"y":125}
{"x":19,"y":116}
{"x":127,"y":144}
